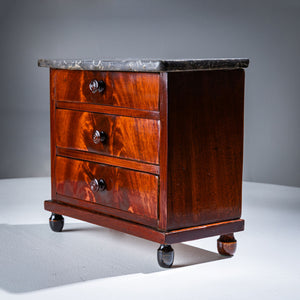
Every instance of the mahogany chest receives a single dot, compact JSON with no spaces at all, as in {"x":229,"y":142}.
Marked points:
{"x":149,"y":147}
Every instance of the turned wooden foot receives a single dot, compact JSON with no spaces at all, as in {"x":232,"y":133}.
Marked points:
{"x":56,"y":222}
{"x":227,"y":244}
{"x":165,"y":256}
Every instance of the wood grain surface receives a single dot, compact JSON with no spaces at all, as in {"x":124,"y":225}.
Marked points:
{"x":109,"y":160}
{"x":110,"y":110}
{"x":127,"y":190}
{"x":123,"y":89}
{"x":136,"y":90}
{"x":131,"y":138}
{"x":52,"y":132}
{"x":74,"y":86}
{"x":111,"y":211}
{"x":163,"y":153}
{"x":205,"y":147}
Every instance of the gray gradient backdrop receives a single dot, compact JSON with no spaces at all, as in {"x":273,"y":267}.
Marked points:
{"x":267,"y":32}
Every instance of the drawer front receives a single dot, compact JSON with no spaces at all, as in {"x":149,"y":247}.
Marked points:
{"x":123,"y":89}
{"x":125,"y":137}
{"x":126,"y":190}
{"x":74,"y":86}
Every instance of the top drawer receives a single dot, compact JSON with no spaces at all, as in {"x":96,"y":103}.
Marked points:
{"x":123,"y":89}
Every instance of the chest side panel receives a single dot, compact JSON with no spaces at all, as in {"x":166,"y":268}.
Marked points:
{"x":205,"y":147}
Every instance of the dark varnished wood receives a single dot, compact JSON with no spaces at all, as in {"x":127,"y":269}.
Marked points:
{"x":163,"y":152}
{"x":227,"y":244}
{"x":111,"y":110}
{"x":127,"y":190}
{"x":105,"y":220}
{"x":123,"y":89}
{"x":52,"y":133}
{"x":205,"y":147}
{"x":108,"y":160}
{"x":139,"y":230}
{"x":127,"y":137}
{"x":203,"y":231}
{"x":141,"y":219}
{"x":165,"y":256}
{"x":56,"y":222}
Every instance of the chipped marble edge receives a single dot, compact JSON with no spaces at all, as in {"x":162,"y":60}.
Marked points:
{"x":145,"y":65}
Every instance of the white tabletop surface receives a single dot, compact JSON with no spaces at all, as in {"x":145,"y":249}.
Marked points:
{"x":91,"y":262}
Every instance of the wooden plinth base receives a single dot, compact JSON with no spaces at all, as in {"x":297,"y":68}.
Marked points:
{"x":152,"y":234}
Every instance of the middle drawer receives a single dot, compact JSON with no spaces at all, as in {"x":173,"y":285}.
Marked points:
{"x":119,"y":136}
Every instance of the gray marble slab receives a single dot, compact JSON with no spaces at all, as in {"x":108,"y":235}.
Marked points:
{"x":144,"y":65}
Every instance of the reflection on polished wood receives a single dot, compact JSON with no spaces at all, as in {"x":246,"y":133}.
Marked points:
{"x":132,"y":138}
{"x":227,"y":244}
{"x":131,"y":191}
{"x":127,"y":89}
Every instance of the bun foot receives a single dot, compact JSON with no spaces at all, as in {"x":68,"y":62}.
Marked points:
{"x":56,"y":222}
{"x":227,"y":244}
{"x":165,"y":256}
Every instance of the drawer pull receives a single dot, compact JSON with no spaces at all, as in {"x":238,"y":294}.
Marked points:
{"x":98,"y":185}
{"x":99,"y":137}
{"x":97,"y":86}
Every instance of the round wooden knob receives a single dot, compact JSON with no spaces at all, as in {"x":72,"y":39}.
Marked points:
{"x":99,"y":136}
{"x":97,"y":86}
{"x":98,"y":185}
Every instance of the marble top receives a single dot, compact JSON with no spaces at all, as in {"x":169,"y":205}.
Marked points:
{"x":145,"y":65}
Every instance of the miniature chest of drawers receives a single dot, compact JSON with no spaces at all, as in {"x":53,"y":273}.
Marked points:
{"x":152,"y":148}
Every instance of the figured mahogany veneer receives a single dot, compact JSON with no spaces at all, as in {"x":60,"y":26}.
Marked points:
{"x":172,"y":160}
{"x":124,"y":89}
{"x":109,"y":160}
{"x":127,"y":190}
{"x":132,"y":138}
{"x":107,"y":109}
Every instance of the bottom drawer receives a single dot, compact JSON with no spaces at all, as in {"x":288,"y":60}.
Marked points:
{"x":119,"y":188}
